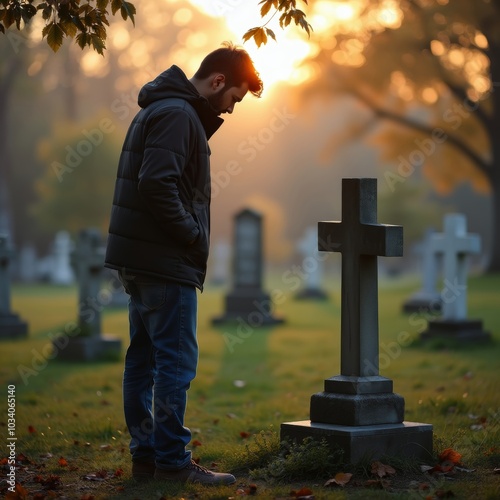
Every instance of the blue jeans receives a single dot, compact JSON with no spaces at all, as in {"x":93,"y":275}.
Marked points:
{"x":159,"y":366}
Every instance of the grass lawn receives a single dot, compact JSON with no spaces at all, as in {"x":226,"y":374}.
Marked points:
{"x":72,"y":440}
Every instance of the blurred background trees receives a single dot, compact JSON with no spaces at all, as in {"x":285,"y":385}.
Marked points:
{"x":399,"y":90}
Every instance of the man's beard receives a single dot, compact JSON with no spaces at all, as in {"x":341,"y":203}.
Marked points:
{"x":215,"y":101}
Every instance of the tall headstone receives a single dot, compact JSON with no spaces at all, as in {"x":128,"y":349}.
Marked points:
{"x":427,"y":299}
{"x":358,"y":411}
{"x":11,"y":326}
{"x":27,"y":269}
{"x":87,"y":343}
{"x":221,"y":254}
{"x":312,"y":268}
{"x":62,"y":273}
{"x":455,"y":245}
{"x":247,"y":302}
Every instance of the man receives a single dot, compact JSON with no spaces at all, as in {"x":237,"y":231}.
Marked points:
{"x":158,"y":241}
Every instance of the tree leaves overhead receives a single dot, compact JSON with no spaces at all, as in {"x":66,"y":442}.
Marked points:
{"x":83,"y":20}
{"x":289,"y":12}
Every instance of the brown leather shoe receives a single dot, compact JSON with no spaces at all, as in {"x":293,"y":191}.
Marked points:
{"x":194,"y":473}
{"x":143,"y":471}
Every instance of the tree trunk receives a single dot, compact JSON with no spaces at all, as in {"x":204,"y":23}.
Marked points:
{"x":6,"y":83}
{"x":494,"y":172}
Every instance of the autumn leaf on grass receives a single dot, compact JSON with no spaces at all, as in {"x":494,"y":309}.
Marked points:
{"x":31,"y":429}
{"x":195,"y":443}
{"x":341,"y":479}
{"x":118,"y":473}
{"x":62,"y":462}
{"x":245,"y":435}
{"x":381,"y":470}
{"x":20,"y":493}
{"x":450,"y":455}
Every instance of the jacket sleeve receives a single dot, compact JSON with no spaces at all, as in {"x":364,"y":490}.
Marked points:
{"x":168,"y":141}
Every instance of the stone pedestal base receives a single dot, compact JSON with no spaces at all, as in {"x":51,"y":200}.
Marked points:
{"x":357,"y":409}
{"x":102,"y":348}
{"x":12,"y":327}
{"x":311,"y":294}
{"x":422,"y":302}
{"x":407,"y":439}
{"x":458,"y":330}
{"x":250,"y":306}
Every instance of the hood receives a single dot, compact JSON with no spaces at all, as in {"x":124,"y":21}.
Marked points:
{"x":173,"y":83}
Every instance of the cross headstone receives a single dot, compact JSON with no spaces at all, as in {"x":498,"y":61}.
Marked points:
{"x":62,"y":274}
{"x":358,"y":410}
{"x":427,"y":299}
{"x":312,"y":268}
{"x":88,"y":343}
{"x":11,"y":326}
{"x":455,"y":245}
{"x":247,"y":302}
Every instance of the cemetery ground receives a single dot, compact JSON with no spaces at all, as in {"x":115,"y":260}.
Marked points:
{"x":72,"y":442}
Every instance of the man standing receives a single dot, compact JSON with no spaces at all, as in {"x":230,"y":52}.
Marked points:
{"x":158,"y":242}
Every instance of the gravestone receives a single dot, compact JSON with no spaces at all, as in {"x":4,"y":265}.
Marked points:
{"x":11,"y":326}
{"x":312,"y":268}
{"x":428,"y":299}
{"x":220,"y":265}
{"x":27,"y":268}
{"x":87,"y":343}
{"x":61,"y":273}
{"x":455,"y":245}
{"x":358,"y":411}
{"x":247,"y":302}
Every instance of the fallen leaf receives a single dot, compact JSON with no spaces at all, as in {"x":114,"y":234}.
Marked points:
{"x":31,"y":429}
{"x":102,"y":473}
{"x":118,"y":472}
{"x":450,"y":455}
{"x":4,"y":461}
{"x":62,"y":462}
{"x":341,"y":479}
{"x":195,"y":443}
{"x":245,"y":435}
{"x":381,"y":470}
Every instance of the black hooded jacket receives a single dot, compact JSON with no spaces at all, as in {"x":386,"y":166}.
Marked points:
{"x":160,"y":219}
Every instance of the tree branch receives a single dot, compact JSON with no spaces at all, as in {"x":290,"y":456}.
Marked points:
{"x":455,"y":141}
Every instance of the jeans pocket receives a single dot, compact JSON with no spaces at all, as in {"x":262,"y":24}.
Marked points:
{"x":152,"y":295}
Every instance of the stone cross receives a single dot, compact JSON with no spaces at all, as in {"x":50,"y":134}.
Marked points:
{"x":88,"y":260}
{"x":11,"y":326}
{"x":88,"y":343}
{"x":360,"y":240}
{"x":427,"y":298}
{"x":357,"y":411}
{"x":5,"y":256}
{"x":455,"y":244}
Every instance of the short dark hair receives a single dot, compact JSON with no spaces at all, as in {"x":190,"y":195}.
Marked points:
{"x":235,"y":64}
